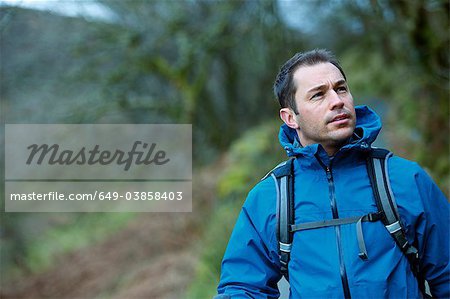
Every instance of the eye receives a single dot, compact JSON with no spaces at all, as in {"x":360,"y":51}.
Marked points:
{"x":317,"y":96}
{"x":341,"y":89}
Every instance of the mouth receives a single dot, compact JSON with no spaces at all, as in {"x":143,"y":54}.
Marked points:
{"x":342,"y":117}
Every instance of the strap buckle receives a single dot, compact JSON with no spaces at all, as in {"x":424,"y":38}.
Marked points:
{"x":372,"y":217}
{"x":363,"y":256}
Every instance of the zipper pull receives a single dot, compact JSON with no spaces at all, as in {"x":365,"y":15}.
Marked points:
{"x":328,"y":170}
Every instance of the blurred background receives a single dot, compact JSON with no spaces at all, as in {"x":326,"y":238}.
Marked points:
{"x":212,"y":64}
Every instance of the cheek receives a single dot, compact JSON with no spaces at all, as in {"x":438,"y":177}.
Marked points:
{"x":308,"y":121}
{"x":351,"y":106}
{"x":349,"y":100}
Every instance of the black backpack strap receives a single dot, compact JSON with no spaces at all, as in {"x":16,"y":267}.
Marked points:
{"x":377,"y":166}
{"x":283,"y":176}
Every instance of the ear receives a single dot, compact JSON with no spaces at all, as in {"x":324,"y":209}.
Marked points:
{"x":288,"y":116}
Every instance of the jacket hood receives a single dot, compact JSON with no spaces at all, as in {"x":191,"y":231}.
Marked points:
{"x":368,"y":125}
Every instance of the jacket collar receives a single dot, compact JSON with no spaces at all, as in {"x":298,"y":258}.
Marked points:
{"x":368,"y":125}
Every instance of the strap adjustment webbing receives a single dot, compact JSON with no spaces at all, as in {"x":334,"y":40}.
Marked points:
{"x":285,"y":247}
{"x":377,"y":166}
{"x":394,"y":227}
{"x":283,"y":176}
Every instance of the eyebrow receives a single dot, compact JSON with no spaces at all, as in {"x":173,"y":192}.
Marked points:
{"x":322,"y":86}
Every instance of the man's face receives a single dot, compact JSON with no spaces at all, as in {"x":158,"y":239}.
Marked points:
{"x":325,"y":106}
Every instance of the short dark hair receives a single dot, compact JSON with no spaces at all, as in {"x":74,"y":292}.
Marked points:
{"x":284,"y":87}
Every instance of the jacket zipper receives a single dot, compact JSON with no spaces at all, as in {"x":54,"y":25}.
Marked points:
{"x":337,"y":228}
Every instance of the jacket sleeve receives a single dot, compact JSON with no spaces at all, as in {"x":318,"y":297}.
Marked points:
{"x":250,"y":266}
{"x":432,"y":231}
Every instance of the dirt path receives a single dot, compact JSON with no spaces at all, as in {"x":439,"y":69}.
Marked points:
{"x":152,"y":257}
{"x":121,"y":264}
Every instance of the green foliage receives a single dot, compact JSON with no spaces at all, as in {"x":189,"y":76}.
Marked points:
{"x":249,"y":158}
{"x":212,"y":248}
{"x":159,"y":63}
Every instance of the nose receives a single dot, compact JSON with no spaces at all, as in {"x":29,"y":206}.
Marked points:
{"x":334,"y":100}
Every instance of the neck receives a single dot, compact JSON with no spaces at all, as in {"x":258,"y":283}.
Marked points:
{"x":331,"y":151}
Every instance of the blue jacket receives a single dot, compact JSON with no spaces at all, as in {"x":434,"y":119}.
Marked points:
{"x":322,"y":259}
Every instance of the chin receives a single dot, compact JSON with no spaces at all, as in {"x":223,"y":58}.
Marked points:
{"x":342,"y":135}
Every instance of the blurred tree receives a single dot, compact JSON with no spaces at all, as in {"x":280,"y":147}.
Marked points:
{"x":207,"y":63}
{"x":197,"y":62}
{"x":397,"y":51}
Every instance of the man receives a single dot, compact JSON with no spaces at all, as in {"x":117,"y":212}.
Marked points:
{"x":330,"y":139}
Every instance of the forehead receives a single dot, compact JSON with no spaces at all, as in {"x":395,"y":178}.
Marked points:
{"x":308,"y":76}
